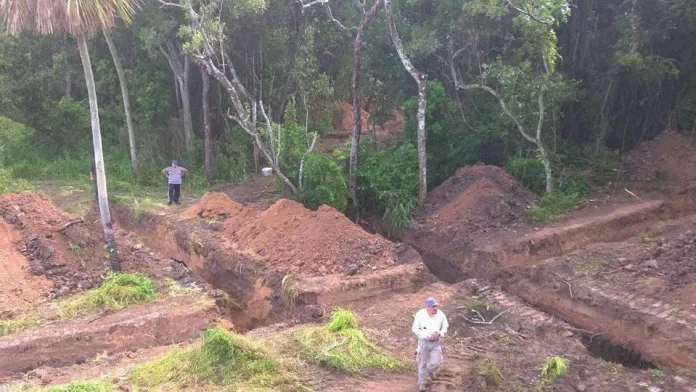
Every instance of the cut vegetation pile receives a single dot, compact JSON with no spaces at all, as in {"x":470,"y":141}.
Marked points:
{"x":116,"y":292}
{"x":313,"y":243}
{"x":672,"y":260}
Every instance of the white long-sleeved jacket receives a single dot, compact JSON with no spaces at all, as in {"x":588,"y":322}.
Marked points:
{"x":424,"y":324}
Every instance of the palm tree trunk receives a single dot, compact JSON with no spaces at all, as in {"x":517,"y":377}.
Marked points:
{"x":109,"y":238}
{"x":126,"y":99}
{"x":207,"y":131}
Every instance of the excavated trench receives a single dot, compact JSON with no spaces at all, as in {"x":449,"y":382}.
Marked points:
{"x":630,"y":329}
{"x":257,"y":294}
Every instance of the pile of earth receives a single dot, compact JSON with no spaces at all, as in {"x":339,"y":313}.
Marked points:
{"x":48,"y":253}
{"x":673,"y":260}
{"x":296,"y":240}
{"x":480,"y":198}
{"x":670,"y":157}
{"x":214,"y":205}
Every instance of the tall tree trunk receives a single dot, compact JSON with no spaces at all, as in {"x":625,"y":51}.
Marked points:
{"x":186,"y":98}
{"x":422,"y":81}
{"x":180,"y":68}
{"x":104,"y":212}
{"x":207,"y":130}
{"x":357,"y":95}
{"x":126,"y":98}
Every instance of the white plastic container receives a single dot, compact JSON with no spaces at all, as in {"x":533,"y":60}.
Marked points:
{"x":266,"y":171}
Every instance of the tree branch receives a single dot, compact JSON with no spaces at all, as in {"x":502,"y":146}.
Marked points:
{"x":531,"y":16}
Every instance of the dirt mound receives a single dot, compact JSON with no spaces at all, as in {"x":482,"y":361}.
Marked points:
{"x":670,"y":157}
{"x":19,"y":289}
{"x":213,"y":205}
{"x":673,"y":260}
{"x":477,"y":198}
{"x":312,"y":243}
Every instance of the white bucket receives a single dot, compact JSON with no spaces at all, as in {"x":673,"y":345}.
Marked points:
{"x":266,"y":171}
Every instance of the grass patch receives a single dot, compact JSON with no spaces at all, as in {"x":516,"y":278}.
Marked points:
{"x":223,"y":361}
{"x":116,"y":292}
{"x":551,"y":369}
{"x":487,"y":371}
{"x":83,"y":386}
{"x":551,"y":205}
{"x":289,"y":291}
{"x":340,"y":345}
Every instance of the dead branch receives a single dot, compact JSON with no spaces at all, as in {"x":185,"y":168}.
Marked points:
{"x":483,"y":321}
{"x":72,"y":222}
{"x":570,"y":287}
{"x":633,"y":194}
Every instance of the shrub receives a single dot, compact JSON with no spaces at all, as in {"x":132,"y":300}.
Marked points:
{"x":323,"y":183}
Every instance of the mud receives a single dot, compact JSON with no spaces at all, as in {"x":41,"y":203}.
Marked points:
{"x":160,"y":323}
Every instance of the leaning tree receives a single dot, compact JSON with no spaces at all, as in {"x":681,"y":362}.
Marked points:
{"x":79,"y":18}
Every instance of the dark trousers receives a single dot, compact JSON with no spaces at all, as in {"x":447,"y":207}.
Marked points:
{"x":174,"y":192}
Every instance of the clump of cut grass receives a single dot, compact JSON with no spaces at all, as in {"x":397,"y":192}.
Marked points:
{"x":82,"y":386}
{"x":222,"y":359}
{"x":18,"y":323}
{"x":340,"y":345}
{"x":487,"y":370}
{"x":341,"y":320}
{"x":552,"y":205}
{"x":289,"y":291}
{"x":551,"y":369}
{"x":116,"y":292}
{"x":554,"y":367}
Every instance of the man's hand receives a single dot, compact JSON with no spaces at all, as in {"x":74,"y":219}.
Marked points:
{"x":434,"y":336}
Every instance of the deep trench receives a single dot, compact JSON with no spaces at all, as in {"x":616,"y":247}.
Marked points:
{"x":622,"y":355}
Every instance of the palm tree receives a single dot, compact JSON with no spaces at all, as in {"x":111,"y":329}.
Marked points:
{"x":79,"y":18}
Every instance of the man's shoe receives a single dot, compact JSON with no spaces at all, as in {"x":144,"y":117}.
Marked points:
{"x":169,"y":203}
{"x":421,"y":387}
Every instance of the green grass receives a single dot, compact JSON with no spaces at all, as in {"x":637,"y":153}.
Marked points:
{"x":10,"y":184}
{"x":340,"y":345}
{"x":224,"y":361}
{"x":83,"y":386}
{"x":488,"y":373}
{"x":552,"y":205}
{"x":554,"y":367}
{"x":116,"y":292}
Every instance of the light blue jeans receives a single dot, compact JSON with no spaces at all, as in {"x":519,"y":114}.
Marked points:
{"x":429,"y":358}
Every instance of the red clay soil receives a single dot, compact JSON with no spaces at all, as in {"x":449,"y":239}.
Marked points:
{"x":312,"y":243}
{"x":214,"y":205}
{"x":158,"y":323}
{"x":19,"y":289}
{"x":478,"y":198}
{"x":670,"y":157}
{"x":56,"y":247}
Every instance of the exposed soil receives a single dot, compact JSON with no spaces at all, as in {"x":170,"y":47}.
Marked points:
{"x":669,"y":158}
{"x":19,"y":288}
{"x":480,"y":198}
{"x":214,"y":205}
{"x":159,"y":323}
{"x":297,"y":240}
{"x":343,"y":129}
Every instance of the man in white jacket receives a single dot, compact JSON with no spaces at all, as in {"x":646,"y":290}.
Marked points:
{"x":430,"y":326}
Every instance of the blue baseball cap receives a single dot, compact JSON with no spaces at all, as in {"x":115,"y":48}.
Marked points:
{"x":174,"y":161}
{"x":429,"y":302}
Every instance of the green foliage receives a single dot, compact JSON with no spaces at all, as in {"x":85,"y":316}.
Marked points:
{"x":341,"y":320}
{"x":341,"y":346}
{"x":388,"y":182}
{"x":223,"y":359}
{"x":323,"y":183}
{"x":14,"y":139}
{"x":551,"y":205}
{"x":117,"y":291}
{"x":10,"y":184}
